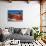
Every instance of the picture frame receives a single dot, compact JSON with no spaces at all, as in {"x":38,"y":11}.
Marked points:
{"x":15,"y":15}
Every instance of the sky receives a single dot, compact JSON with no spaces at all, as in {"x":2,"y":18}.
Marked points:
{"x":15,"y":11}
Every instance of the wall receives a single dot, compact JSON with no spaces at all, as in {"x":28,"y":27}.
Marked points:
{"x":31,"y":14}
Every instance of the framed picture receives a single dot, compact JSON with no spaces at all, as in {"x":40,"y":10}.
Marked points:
{"x":15,"y":15}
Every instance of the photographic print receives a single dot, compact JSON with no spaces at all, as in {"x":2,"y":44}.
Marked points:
{"x":15,"y":15}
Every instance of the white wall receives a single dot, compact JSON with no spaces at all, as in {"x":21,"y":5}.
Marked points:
{"x":31,"y":14}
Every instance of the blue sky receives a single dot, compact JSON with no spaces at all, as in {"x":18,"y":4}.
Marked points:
{"x":15,"y":11}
